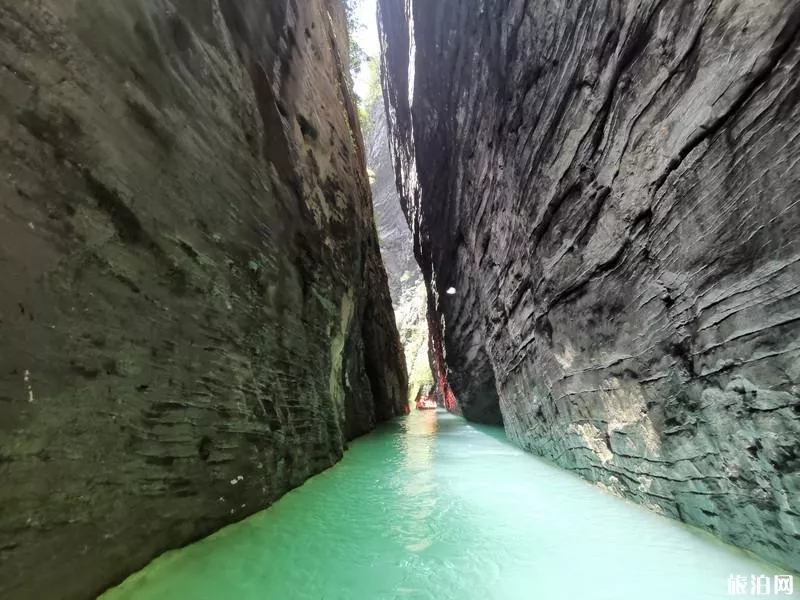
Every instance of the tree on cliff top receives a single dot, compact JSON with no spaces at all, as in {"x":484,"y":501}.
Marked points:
{"x":357,"y":54}
{"x":367,"y":104}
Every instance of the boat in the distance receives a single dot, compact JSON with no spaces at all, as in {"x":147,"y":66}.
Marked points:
{"x":426,"y":403}
{"x":426,"y":400}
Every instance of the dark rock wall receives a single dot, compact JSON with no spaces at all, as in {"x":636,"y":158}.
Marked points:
{"x":612,"y":189}
{"x":194,"y":317}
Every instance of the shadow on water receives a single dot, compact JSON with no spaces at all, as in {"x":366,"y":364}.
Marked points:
{"x":445,"y":422}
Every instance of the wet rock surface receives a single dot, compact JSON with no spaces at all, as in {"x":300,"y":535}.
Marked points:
{"x":193,"y":312}
{"x":611,"y":190}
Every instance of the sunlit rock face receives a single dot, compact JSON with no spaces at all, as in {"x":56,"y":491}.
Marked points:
{"x":406,"y":283}
{"x":611,"y":189}
{"x":393,"y":230}
{"x":194,"y":317}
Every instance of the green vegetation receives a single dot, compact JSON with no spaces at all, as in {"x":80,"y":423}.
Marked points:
{"x":413,"y":328}
{"x":367,"y":104}
{"x":419,"y":371}
{"x":359,"y":60}
{"x":373,"y":81}
{"x":363,"y":118}
{"x":357,"y":54}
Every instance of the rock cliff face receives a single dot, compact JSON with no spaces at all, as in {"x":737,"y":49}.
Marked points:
{"x":194,"y":317}
{"x":393,"y":230}
{"x":612,"y":190}
{"x":406,"y":283}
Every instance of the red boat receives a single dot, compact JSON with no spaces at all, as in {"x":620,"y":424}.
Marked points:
{"x":426,"y":399}
{"x":426,"y":403}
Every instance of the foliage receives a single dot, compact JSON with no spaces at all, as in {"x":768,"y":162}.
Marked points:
{"x":367,"y":104}
{"x":359,"y":61}
{"x":373,"y":82}
{"x":363,"y":118}
{"x":357,"y":54}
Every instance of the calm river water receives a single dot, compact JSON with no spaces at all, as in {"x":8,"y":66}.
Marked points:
{"x":431,"y":507}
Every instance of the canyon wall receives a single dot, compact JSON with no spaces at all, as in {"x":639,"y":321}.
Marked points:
{"x":194,"y":317}
{"x":406,"y":284}
{"x":394,"y":234}
{"x":612,"y":191}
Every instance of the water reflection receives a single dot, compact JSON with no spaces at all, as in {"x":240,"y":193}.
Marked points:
{"x":418,"y":443}
{"x":432,"y":507}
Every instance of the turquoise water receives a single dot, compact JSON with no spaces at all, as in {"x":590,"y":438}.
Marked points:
{"x":433,"y":507}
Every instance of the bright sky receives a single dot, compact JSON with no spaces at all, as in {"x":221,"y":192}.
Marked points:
{"x":367,"y":38}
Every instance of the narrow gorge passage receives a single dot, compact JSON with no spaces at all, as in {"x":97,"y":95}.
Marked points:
{"x":605,"y":202}
{"x":431,"y":507}
{"x":382,"y":299}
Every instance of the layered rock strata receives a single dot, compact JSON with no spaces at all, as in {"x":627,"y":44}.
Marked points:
{"x":611,"y":189}
{"x":194,"y":317}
